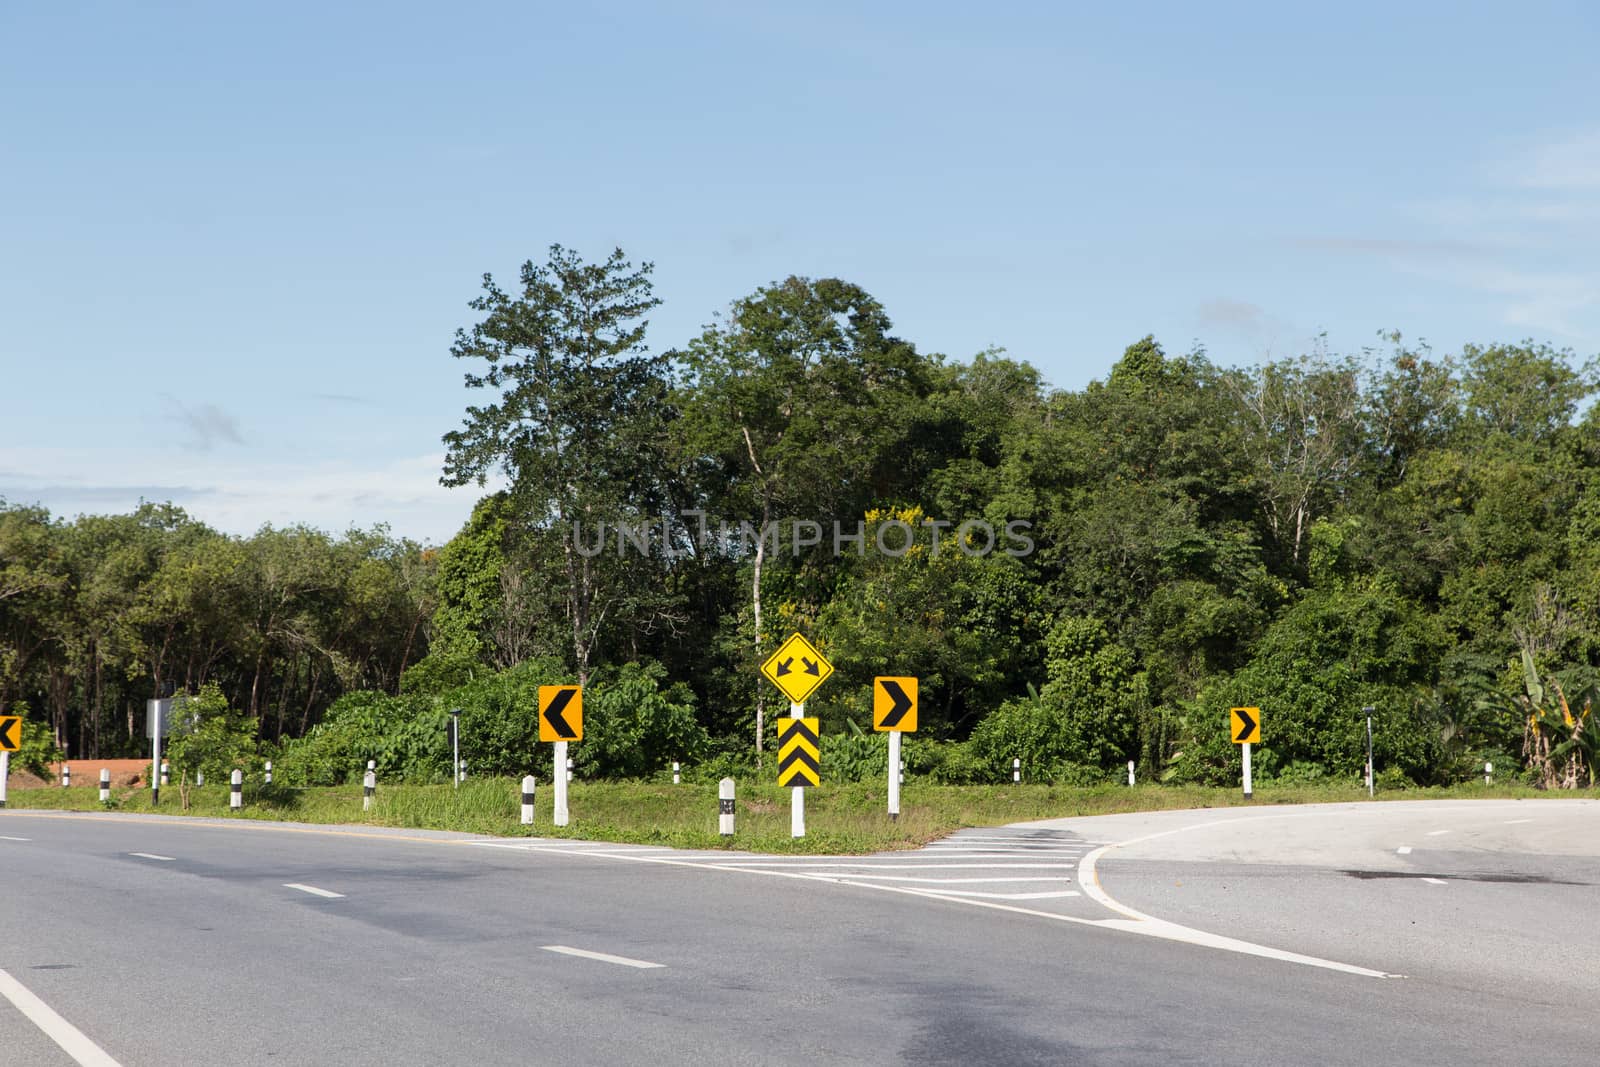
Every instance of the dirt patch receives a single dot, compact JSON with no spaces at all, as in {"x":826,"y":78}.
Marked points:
{"x":125,"y":773}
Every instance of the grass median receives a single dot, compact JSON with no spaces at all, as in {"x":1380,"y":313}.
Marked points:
{"x":845,"y":818}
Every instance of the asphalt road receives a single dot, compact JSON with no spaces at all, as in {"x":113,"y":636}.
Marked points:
{"x":1024,"y":945}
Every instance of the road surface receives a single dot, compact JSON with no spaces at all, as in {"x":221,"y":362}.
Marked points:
{"x":1431,"y":932}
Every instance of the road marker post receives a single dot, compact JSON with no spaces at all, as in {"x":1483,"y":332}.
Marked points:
{"x":105,"y":785}
{"x":461,"y":772}
{"x":1369,"y":712}
{"x":725,"y":807}
{"x":561,"y":721}
{"x":236,"y":790}
{"x":369,"y":785}
{"x":199,"y":778}
{"x":1244,"y":728}
{"x":528,"y":786}
{"x":894,"y":711}
{"x":66,"y":775}
{"x":675,"y":772}
{"x":163,"y":772}
{"x":269,"y":772}
{"x":1016,"y":771}
{"x":1488,"y":774}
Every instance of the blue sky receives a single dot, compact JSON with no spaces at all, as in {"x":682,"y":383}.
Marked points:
{"x":236,"y":240}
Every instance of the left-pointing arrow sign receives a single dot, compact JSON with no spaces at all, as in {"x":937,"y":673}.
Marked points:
{"x":10,"y":733}
{"x":560,"y":713}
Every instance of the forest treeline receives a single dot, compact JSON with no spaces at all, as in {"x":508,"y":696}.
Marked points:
{"x":1078,"y":577}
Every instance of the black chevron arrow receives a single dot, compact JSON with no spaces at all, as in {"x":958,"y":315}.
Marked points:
{"x":783,"y":668}
{"x":902,"y":703}
{"x":552,"y":714}
{"x":811,"y":668}
{"x":1249,"y":726}
{"x":11,"y":733}
{"x":799,"y":755}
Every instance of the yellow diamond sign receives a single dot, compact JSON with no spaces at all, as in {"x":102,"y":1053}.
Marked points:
{"x":797,"y":668}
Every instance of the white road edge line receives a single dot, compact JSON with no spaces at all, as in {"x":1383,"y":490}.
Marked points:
{"x":313,"y":890}
{"x":603,"y":957}
{"x":1404,"y":850}
{"x":153,"y":856}
{"x":1436,"y":833}
{"x":72,"y":1040}
{"x":1513,"y":822}
{"x":1150,"y":926}
{"x":1435,"y":881}
{"x":3,"y":837}
{"x":1139,"y":924}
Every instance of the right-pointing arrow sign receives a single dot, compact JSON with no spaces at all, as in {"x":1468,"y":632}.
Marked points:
{"x":560,"y":713}
{"x":1245,"y":725}
{"x":894,"y":704}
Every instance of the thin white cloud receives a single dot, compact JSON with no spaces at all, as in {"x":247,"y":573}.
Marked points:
{"x":1570,"y":163}
{"x":240,"y":497}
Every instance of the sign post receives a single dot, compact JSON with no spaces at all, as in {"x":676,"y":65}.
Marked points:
{"x":157,"y":714}
{"x":894,"y":711}
{"x":1245,"y":729}
{"x":797,"y":669}
{"x":455,"y":747}
{"x":560,"y":721}
{"x":1369,"y":712}
{"x":10,"y":741}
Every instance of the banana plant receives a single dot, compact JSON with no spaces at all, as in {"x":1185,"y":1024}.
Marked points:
{"x":1558,"y":743}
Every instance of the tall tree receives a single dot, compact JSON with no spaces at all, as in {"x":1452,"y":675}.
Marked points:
{"x":576,"y":423}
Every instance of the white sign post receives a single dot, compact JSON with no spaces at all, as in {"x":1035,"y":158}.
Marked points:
{"x":5,"y":773}
{"x":157,"y":712}
{"x":797,"y":794}
{"x":1247,"y":770}
{"x":560,"y":818}
{"x":894,"y":774}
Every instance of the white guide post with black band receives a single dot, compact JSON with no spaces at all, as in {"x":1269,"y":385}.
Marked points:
{"x":105,"y":785}
{"x":236,"y":790}
{"x":369,"y":785}
{"x":725,"y":807}
{"x":528,"y":786}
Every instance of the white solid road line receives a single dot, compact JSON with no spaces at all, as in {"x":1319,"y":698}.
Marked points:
{"x":1436,"y":833}
{"x":1513,"y":822}
{"x":1150,"y":926}
{"x":984,"y":894}
{"x":3,"y":837}
{"x":603,"y":957}
{"x":72,"y":1040}
{"x":1404,"y":850}
{"x":313,"y":890}
{"x":925,"y":880}
{"x":757,"y":864}
{"x":1435,"y":881}
{"x":152,"y":856}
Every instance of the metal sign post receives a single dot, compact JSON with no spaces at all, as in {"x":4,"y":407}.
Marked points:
{"x":1369,"y":712}
{"x":455,"y":746}
{"x":560,"y":777}
{"x":157,"y":716}
{"x":797,"y":794}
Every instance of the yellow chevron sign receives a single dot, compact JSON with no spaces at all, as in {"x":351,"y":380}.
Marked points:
{"x":10,"y":733}
{"x":1244,"y":725}
{"x":799,"y":752}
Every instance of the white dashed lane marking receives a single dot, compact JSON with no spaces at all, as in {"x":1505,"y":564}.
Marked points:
{"x":313,"y":890}
{"x":153,"y":856}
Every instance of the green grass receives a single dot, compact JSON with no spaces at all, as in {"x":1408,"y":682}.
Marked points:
{"x":847,"y":818}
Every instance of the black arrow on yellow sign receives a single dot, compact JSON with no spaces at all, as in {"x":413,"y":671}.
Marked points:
{"x":900,"y":703}
{"x":560,"y":713}
{"x":1247,"y":725}
{"x":10,"y":733}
